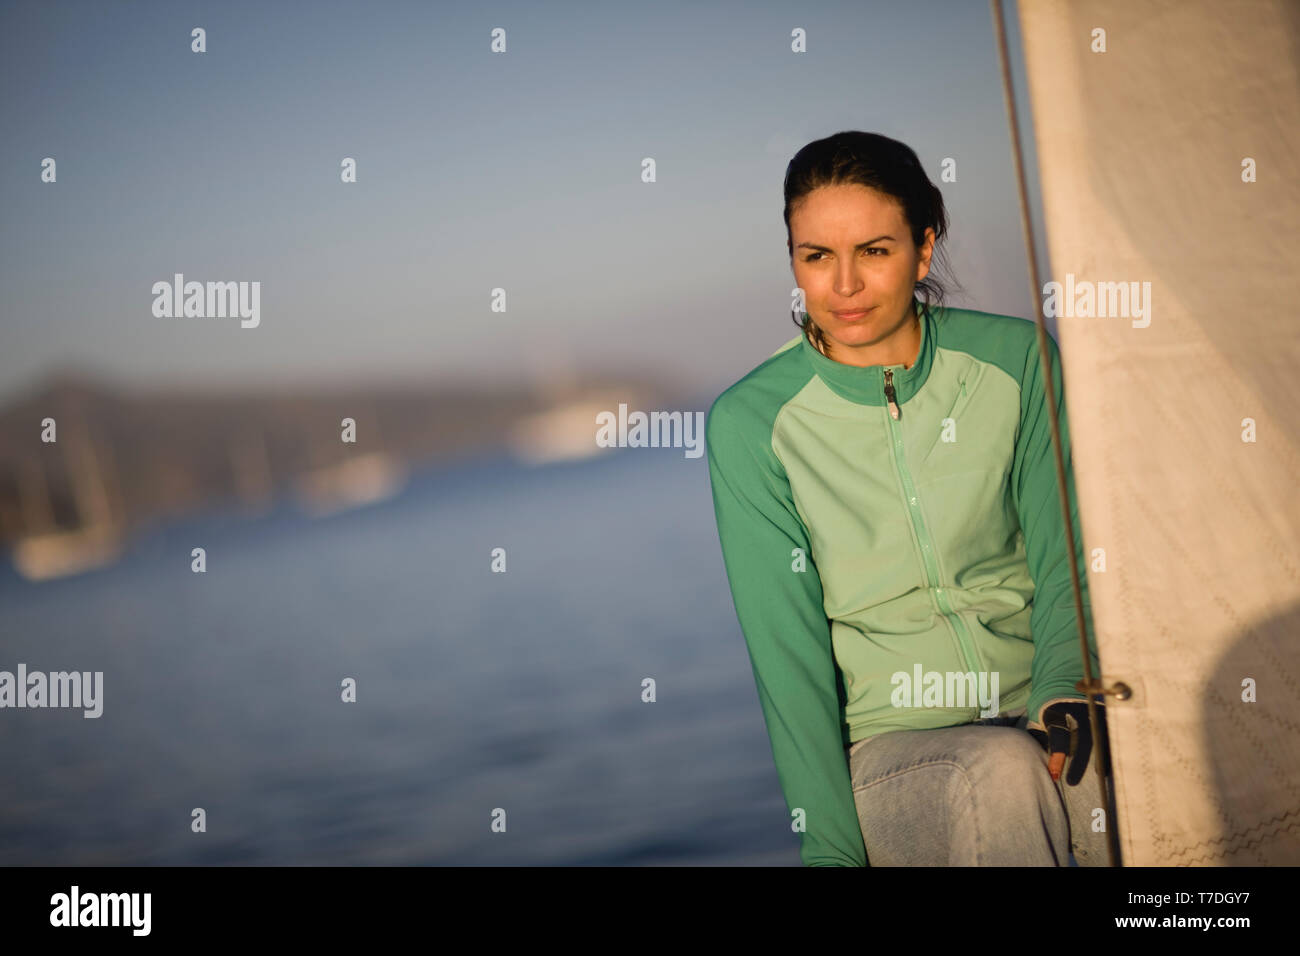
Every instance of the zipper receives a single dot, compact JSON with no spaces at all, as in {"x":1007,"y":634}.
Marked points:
{"x":964,"y":640}
{"x":890,"y":395}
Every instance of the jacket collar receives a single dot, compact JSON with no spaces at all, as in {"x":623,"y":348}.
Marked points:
{"x":866,"y":386}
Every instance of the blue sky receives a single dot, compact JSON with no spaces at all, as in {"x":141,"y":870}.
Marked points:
{"x":475,"y":171}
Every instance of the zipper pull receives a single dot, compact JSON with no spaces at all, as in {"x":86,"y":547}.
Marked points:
{"x":890,"y":394}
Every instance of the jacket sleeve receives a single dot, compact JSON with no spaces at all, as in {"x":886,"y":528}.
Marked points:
{"x":1056,"y":663}
{"x":785,"y":627}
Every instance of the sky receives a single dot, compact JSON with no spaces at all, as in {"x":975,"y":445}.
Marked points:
{"x":475,"y":171}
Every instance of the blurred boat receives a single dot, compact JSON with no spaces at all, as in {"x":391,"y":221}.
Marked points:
{"x":564,"y":433}
{"x":567,"y":430}
{"x":56,"y":554}
{"x":363,"y":480}
{"x":47,"y":551}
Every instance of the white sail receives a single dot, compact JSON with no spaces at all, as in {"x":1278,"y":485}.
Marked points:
{"x":1183,"y":422}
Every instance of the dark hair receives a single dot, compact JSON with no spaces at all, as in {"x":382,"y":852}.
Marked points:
{"x":882,"y":164}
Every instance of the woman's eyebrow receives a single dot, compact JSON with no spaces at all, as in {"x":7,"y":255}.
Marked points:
{"x":860,"y":245}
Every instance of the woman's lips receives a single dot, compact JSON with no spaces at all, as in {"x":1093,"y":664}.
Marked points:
{"x":849,"y":316}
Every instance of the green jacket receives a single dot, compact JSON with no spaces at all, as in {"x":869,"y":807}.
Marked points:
{"x":859,"y":545}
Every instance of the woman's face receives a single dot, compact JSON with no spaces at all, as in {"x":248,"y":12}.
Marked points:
{"x":851,"y":249}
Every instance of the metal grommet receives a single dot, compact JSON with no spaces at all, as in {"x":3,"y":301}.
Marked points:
{"x":1119,"y":690}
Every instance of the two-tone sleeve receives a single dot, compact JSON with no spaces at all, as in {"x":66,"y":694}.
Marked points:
{"x":778,"y":599}
{"x":1057,"y":663}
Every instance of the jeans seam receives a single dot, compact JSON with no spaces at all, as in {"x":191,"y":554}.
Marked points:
{"x":965,"y":776}
{"x":948,"y":761}
{"x":979,"y":843}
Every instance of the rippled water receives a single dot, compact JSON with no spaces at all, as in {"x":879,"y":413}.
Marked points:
{"x":476,"y":690}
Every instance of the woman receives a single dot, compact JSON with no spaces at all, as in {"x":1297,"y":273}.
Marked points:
{"x":886,"y":498}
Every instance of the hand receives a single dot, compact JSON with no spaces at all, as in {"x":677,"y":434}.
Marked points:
{"x":1067,"y":733}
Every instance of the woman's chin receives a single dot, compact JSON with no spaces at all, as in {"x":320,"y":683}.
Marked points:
{"x":851,"y":334}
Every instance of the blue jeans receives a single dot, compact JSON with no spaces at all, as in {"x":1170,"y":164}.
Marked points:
{"x":974,"y":795}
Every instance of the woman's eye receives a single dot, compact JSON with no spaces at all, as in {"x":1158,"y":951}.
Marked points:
{"x":817,"y":255}
{"x":879,"y":249}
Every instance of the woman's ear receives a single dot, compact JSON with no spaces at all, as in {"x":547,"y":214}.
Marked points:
{"x":925,"y":251}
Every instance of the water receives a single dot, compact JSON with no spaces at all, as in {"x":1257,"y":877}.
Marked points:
{"x":475,"y":690}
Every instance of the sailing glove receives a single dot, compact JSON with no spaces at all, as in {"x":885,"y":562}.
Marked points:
{"x":1066,"y":734}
